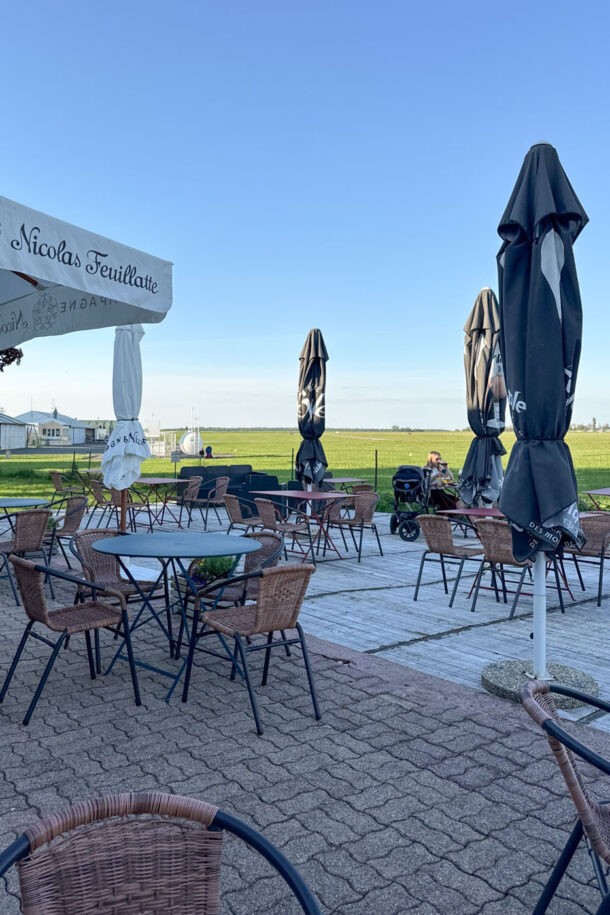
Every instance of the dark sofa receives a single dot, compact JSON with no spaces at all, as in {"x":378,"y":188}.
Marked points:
{"x":242,"y":478}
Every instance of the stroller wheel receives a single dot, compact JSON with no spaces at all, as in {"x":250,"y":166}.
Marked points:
{"x":393,"y":524}
{"x":408,"y":530}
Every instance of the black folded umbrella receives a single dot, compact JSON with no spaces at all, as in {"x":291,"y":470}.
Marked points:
{"x":541,"y":325}
{"x":481,"y":477}
{"x":311,"y":463}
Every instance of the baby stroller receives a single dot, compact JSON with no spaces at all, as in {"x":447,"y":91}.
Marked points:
{"x":411,"y":485}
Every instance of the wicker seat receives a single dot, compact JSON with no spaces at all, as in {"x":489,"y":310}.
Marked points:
{"x":237,"y":519}
{"x":281,"y":592}
{"x":596,"y":528}
{"x":293,"y":531}
{"x":74,"y":512}
{"x":30,"y":528}
{"x":150,"y":852}
{"x":593,"y":823}
{"x":213,"y":500}
{"x":84,"y":617}
{"x":364,"y":504}
{"x":440,"y":548}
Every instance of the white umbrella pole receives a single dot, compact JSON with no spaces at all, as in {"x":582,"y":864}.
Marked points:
{"x":540,"y":671}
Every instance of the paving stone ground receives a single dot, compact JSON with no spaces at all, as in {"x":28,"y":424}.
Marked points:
{"x":411,"y":795}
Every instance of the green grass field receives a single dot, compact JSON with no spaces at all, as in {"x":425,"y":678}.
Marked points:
{"x":370,"y":454}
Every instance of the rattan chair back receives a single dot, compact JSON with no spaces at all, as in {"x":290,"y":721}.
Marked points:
{"x":30,"y":528}
{"x":31,"y":587}
{"x":596,"y":529}
{"x":365,"y":504}
{"x":268,"y":513}
{"x":538,"y":702}
{"x":219,"y":491}
{"x":147,"y":852}
{"x":75,"y":509}
{"x":497,"y":540}
{"x":281,"y":591}
{"x":103,"y":568}
{"x":100,"y":493}
{"x":437,"y":533}
{"x":191,"y":490}
{"x":234,"y":511}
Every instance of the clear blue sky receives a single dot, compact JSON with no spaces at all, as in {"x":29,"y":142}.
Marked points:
{"x":336,"y":163}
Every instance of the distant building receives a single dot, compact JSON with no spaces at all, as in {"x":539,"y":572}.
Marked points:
{"x":13,"y":433}
{"x":56,"y":429}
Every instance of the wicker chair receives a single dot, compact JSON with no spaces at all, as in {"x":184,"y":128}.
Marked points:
{"x":74,"y":512}
{"x":365,"y":504}
{"x":30,"y":528}
{"x":101,"y":503}
{"x":237,"y":519}
{"x":293,"y":531}
{"x":104,"y":570}
{"x":187,"y":491}
{"x":281,"y":592}
{"x":441,"y":548}
{"x":593,"y":822}
{"x":85,"y":617}
{"x":213,"y":500}
{"x":596,"y":528}
{"x":143,"y":852}
{"x":496,"y":537}
{"x":243,"y":587}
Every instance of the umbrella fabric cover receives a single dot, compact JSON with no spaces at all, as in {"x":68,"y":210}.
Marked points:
{"x":127,"y":446}
{"x":311,"y":461}
{"x":481,"y":478}
{"x":56,"y":278}
{"x":541,"y":325}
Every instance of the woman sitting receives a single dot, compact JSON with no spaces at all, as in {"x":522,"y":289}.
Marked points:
{"x":442,"y":482}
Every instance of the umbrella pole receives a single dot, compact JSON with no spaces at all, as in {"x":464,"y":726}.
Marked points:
{"x":123,"y":521}
{"x":540,"y":671}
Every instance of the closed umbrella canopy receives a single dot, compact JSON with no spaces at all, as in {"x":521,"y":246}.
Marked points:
{"x":311,"y":461}
{"x":56,"y":278}
{"x":541,"y":326}
{"x":481,"y":478}
{"x":127,"y":446}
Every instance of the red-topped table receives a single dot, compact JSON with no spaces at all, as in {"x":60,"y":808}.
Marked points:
{"x":311,"y":497}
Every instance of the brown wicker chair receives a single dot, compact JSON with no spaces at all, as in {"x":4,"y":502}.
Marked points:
{"x":214,"y":500}
{"x":281,"y":592}
{"x":102,"y":504}
{"x":30,"y":528}
{"x":144,"y":852}
{"x":596,"y":528}
{"x":440,"y":548}
{"x":104,"y":570}
{"x":293,"y":531}
{"x":496,"y":537}
{"x":74,"y":512}
{"x":236,"y":516}
{"x":593,"y":823}
{"x":85,"y":617}
{"x":187,"y":491}
{"x":363,"y":519}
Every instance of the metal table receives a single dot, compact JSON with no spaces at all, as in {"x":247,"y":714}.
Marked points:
{"x":8,"y":504}
{"x":170,"y":549}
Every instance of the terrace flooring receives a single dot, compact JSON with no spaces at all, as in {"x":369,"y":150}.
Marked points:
{"x":416,"y":792}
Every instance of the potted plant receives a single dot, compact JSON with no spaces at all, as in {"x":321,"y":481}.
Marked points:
{"x":204,"y":571}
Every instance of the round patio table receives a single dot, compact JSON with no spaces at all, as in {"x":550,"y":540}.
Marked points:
{"x":170,"y":548}
{"x":9,"y":504}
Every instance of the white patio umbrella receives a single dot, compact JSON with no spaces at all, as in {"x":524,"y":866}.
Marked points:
{"x":56,"y":278}
{"x":127,"y":446}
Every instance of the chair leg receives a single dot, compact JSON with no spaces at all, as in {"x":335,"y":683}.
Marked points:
{"x":442,"y":561}
{"x":15,"y":661}
{"x":307,"y":662}
{"x":360,"y":543}
{"x":559,"y":870}
{"x":477,"y":585}
{"x":90,"y":655}
{"x":456,"y":583}
{"x":374,"y":527}
{"x":242,"y":654}
{"x":6,"y":564}
{"x":132,"y":663}
{"x":45,"y":676}
{"x":558,"y":584}
{"x":517,"y":593}
{"x":267,"y":658}
{"x":421,"y":569}
{"x":601,"y":580}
